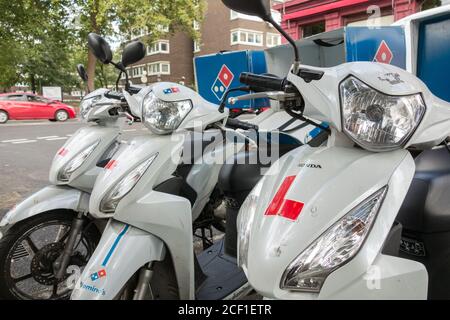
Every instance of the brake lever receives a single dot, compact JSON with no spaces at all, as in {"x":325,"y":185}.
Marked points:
{"x":238,"y":132}
{"x":272,"y":95}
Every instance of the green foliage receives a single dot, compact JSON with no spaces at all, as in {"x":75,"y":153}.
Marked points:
{"x":35,"y":44}
{"x":42,"y":41}
{"x":429,"y":4}
{"x":154,"y":16}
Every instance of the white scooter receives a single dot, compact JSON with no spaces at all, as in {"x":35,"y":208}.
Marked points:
{"x":52,"y":229}
{"x":321,"y":224}
{"x":146,"y":250}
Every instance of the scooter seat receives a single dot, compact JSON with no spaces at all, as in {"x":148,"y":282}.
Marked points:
{"x":426,"y":208}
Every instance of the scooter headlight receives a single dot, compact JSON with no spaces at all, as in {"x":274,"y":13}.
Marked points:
{"x":338,"y":245}
{"x":376,"y":121}
{"x":126,"y":184}
{"x":163,"y":117}
{"x":244,"y":223}
{"x":66,"y":172}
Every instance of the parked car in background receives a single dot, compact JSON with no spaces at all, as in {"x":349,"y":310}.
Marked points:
{"x":27,"y":106}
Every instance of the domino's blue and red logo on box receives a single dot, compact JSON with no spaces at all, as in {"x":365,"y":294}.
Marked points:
{"x":217,"y":73}
{"x":223,"y":82}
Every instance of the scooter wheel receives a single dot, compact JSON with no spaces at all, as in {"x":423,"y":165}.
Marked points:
{"x":28,"y":250}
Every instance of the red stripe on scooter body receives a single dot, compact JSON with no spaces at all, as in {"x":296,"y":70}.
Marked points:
{"x":279,"y":206}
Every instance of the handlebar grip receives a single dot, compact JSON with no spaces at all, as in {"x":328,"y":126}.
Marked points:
{"x":238,"y":124}
{"x":262,"y":82}
{"x":134,"y":90}
{"x":114,"y":95}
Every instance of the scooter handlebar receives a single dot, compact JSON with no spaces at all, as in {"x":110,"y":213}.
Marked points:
{"x":262,"y":82}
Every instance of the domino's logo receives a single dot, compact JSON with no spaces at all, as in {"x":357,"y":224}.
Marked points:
{"x":384,"y":54}
{"x":97,"y":275}
{"x":223,"y":82}
{"x":171,"y":90}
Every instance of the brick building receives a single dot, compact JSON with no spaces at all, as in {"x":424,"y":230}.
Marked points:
{"x":168,"y":59}
{"x":303,"y":18}
{"x":171,"y":58}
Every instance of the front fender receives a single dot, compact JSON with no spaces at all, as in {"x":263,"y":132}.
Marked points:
{"x":47,"y":199}
{"x":122,"y":251}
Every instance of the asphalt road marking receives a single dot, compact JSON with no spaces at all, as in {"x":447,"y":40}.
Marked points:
{"x":130,"y":130}
{"x":26,"y":141}
{"x":14,"y":140}
{"x":58,"y":138}
{"x":45,"y":138}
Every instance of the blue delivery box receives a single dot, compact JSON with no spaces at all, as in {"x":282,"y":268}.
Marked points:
{"x":217,"y":73}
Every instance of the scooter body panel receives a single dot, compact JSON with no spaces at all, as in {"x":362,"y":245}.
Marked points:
{"x":121,"y":252}
{"x":47,"y":199}
{"x":127,"y":158}
{"x":329,"y":181}
{"x":204,"y":174}
{"x":84,"y":177}
{"x":169,"y":218}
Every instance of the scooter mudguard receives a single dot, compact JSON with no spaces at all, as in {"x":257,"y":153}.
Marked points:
{"x":122,"y":251}
{"x":47,"y":199}
{"x":329,"y":182}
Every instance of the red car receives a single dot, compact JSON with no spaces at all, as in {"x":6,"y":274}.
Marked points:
{"x":26,"y":106}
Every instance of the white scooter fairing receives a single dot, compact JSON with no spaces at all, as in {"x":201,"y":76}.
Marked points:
{"x":72,"y":194}
{"x":329,"y":183}
{"x":164,"y":217}
{"x":84,"y":177}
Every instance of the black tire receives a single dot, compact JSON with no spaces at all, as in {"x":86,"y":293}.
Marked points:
{"x":9,"y":244}
{"x":219,"y":224}
{"x":164,"y":281}
{"x":61,"y":116}
{"x":5,"y":116}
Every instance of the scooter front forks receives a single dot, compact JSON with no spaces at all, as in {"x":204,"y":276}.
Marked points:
{"x":60,"y":265}
{"x":143,"y":288}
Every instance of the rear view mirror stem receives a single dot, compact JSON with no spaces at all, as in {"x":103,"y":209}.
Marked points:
{"x":290,"y":40}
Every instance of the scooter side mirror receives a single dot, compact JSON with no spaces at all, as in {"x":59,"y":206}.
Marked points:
{"x":100,"y":48}
{"x":263,"y":10}
{"x":82,"y":73}
{"x":132,"y":53}
{"x":259,"y":8}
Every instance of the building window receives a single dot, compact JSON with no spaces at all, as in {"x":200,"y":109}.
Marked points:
{"x":139,"y":33}
{"x":197,"y":47}
{"x":273,"y":40}
{"x":137,"y":72}
{"x":246,"y":37}
{"x":312,"y":29}
{"x":158,"y":68}
{"x":159,"y":47}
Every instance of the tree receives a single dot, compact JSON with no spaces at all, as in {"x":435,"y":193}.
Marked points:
{"x":429,"y":4}
{"x":121,"y":18}
{"x":43,"y":40}
{"x":36,"y":43}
